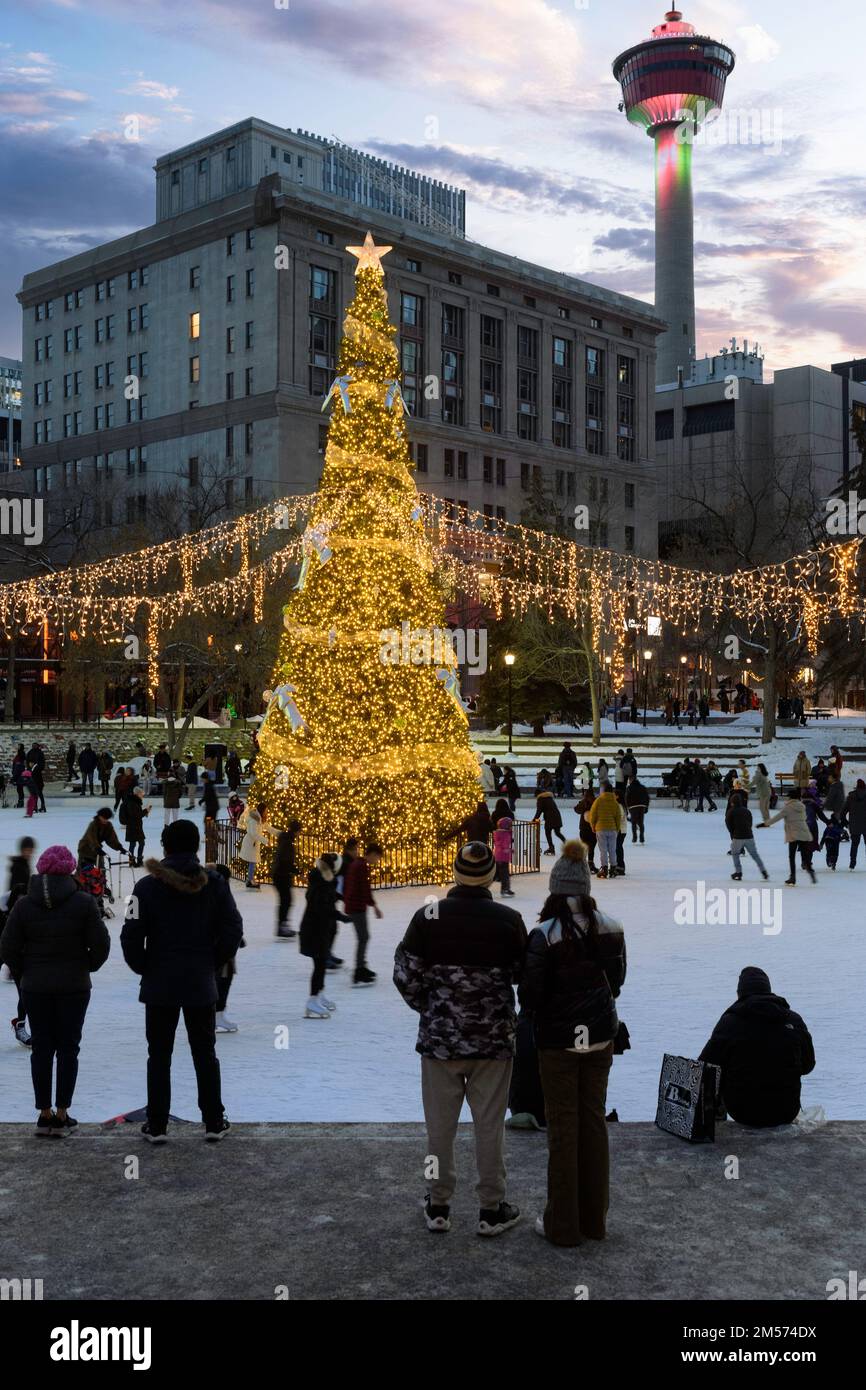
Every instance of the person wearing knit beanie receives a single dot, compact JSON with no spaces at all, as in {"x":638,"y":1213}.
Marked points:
{"x":474,"y":865}
{"x":457,"y":966}
{"x":570,"y":874}
{"x":57,"y":859}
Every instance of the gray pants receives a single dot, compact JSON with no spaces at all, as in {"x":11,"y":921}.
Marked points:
{"x":737,"y":847}
{"x":484,"y":1085}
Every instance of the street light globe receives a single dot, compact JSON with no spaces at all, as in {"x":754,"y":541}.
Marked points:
{"x":683,"y":660}
{"x":509,"y":658}
{"x":647,"y":656}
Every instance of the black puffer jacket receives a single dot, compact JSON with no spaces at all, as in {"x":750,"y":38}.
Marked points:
{"x":458,"y":969}
{"x":763,"y":1048}
{"x":181,"y":925}
{"x":855,"y":811}
{"x":55,"y":937}
{"x":547,"y":810}
{"x":319,"y":922}
{"x":738,"y":819}
{"x":572,"y":983}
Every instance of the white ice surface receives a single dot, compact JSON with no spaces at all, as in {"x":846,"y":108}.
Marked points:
{"x":361,"y":1065}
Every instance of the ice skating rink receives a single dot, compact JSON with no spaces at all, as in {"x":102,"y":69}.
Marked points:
{"x":361,"y":1065}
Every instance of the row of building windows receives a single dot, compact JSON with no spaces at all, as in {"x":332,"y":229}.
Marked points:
{"x":103,"y":468}
{"x":136,"y":279}
{"x":104,"y":331}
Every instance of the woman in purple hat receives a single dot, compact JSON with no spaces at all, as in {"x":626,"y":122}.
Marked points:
{"x":54,"y":938}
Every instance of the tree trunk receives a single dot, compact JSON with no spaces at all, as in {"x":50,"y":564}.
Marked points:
{"x":596,"y":710}
{"x":768,"y":729}
{"x":9,"y":717}
{"x":181,"y":687}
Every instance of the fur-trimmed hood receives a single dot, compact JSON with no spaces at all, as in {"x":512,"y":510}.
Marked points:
{"x":182,"y":872}
{"x":323,"y":864}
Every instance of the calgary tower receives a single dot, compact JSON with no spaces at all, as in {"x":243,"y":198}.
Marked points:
{"x":670,"y":84}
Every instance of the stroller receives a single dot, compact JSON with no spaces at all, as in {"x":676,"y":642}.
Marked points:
{"x":95,"y":879}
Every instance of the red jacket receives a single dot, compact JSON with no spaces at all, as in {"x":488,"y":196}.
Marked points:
{"x":357,"y":894}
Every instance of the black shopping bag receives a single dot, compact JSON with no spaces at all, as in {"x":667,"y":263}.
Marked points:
{"x":687,"y":1099}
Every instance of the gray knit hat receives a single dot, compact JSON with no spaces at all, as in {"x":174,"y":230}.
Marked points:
{"x":474,"y":865}
{"x":569,"y":874}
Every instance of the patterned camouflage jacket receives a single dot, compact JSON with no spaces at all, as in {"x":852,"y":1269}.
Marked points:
{"x":457,"y":966}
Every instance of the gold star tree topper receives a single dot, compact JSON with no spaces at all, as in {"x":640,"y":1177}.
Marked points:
{"x":369,"y":254}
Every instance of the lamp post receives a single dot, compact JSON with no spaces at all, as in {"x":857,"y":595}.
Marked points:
{"x":683,"y":660}
{"x":509,"y":662}
{"x":647,"y":658}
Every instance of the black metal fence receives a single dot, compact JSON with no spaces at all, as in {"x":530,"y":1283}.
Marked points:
{"x":403,"y":866}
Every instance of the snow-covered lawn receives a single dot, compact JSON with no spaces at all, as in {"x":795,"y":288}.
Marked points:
{"x":361,"y":1065}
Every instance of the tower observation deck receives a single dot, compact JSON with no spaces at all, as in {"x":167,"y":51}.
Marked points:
{"x":670,"y":84}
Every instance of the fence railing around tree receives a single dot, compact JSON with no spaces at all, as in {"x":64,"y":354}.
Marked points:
{"x":403,"y":866}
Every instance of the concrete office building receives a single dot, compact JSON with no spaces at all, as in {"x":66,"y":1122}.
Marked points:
{"x":10,"y":413}
{"x":512,"y":372}
{"x":726,"y":422}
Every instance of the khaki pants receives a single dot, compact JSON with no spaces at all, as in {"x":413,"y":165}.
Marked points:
{"x":484,"y":1085}
{"x":575,"y":1091}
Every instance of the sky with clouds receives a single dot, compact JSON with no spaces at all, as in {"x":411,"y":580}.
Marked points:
{"x":513,"y":100}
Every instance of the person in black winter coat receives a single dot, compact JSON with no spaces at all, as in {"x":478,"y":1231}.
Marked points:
{"x":283,"y":868}
{"x":637,"y":800}
{"x":318,"y":928}
{"x":210,"y":800}
{"x":191,"y":783}
{"x":233,"y":771}
{"x":480,"y":824}
{"x":19,"y":879}
{"x":87,"y":767}
{"x":738,"y":819}
{"x":53,"y":939}
{"x":575,"y":967}
{"x":133,"y":812}
{"x":181,"y":926}
{"x":546,"y":810}
{"x":855,"y":818}
{"x":763,"y":1048}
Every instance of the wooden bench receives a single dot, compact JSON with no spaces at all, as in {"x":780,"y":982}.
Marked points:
{"x":818,"y":713}
{"x":786,"y":779}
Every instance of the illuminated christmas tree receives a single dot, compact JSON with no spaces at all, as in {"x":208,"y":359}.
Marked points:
{"x":365,"y":733}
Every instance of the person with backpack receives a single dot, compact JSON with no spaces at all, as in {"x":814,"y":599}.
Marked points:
{"x":574,"y":970}
{"x":53,"y":940}
{"x":131,"y":816}
{"x":184,"y":927}
{"x":763,"y":1049}
{"x":456,"y":967}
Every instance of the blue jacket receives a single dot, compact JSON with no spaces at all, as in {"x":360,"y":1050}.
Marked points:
{"x":181,"y":926}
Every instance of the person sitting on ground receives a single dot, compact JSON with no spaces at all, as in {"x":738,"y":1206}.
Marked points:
{"x":763,"y":1048}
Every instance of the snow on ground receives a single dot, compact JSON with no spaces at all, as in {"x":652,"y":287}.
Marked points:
{"x":361,"y":1065}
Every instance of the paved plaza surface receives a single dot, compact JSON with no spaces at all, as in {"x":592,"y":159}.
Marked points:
{"x":332,"y":1211}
